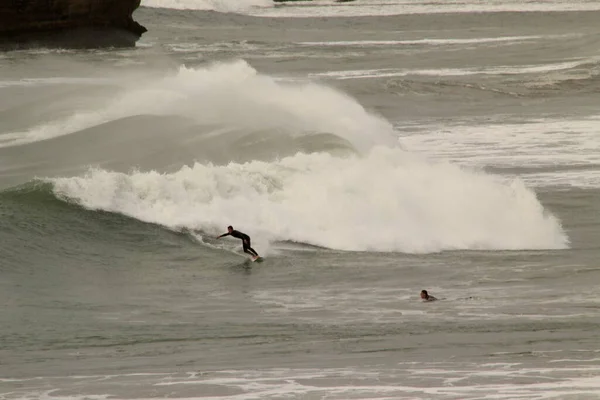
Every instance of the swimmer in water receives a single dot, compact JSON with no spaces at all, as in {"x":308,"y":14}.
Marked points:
{"x":426,"y":296}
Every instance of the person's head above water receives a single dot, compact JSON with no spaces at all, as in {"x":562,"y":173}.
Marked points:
{"x":425,"y":296}
{"x":230,"y":228}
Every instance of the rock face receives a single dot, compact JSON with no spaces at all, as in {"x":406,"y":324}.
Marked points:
{"x":69,"y":23}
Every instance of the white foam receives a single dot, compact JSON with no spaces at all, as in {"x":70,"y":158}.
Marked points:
{"x":229,"y":94}
{"x":494,"y":70}
{"x":212,"y":5}
{"x":433,"y":42}
{"x":54,"y":81}
{"x":560,"y":152}
{"x":329,"y":8}
{"x":385,"y":201}
{"x":583,"y":179}
{"x":406,"y":380}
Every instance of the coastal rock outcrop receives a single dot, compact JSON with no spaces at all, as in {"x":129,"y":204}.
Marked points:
{"x":69,"y":23}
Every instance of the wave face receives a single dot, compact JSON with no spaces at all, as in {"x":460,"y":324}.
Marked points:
{"x":370,"y":196}
{"x":386,"y":200}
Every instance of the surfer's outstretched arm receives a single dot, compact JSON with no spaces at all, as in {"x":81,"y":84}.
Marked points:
{"x":230,"y":231}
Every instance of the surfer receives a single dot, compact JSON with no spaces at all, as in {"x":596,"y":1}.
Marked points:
{"x":426,"y":296}
{"x":245,"y":240}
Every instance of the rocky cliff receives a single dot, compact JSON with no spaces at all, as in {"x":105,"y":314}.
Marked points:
{"x":69,"y":23}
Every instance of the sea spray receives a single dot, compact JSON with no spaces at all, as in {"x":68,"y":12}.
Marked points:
{"x":230,"y":95}
{"x":387,"y":200}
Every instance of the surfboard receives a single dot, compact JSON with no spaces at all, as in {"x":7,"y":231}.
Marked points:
{"x":257,"y":259}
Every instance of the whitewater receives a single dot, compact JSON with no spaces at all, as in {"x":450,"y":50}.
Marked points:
{"x":331,"y":8}
{"x":208,"y":5}
{"x":377,"y":197}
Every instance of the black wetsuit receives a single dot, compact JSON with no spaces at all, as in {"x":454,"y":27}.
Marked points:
{"x":245,"y":241}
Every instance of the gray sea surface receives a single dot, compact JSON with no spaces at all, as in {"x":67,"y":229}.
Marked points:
{"x":370,"y":149}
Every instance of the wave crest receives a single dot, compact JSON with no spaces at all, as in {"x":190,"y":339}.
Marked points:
{"x":385,"y":201}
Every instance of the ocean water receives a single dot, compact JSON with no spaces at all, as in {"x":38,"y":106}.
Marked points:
{"x":371,"y":149}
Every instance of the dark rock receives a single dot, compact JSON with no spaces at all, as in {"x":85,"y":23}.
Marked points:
{"x":68,"y":23}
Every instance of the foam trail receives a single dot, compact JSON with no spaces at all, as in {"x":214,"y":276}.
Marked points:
{"x":230,"y":95}
{"x":329,"y":8}
{"x":54,"y":81}
{"x":387,"y":200}
{"x":433,"y":42}
{"x":497,"y":70}
{"x":209,"y":5}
